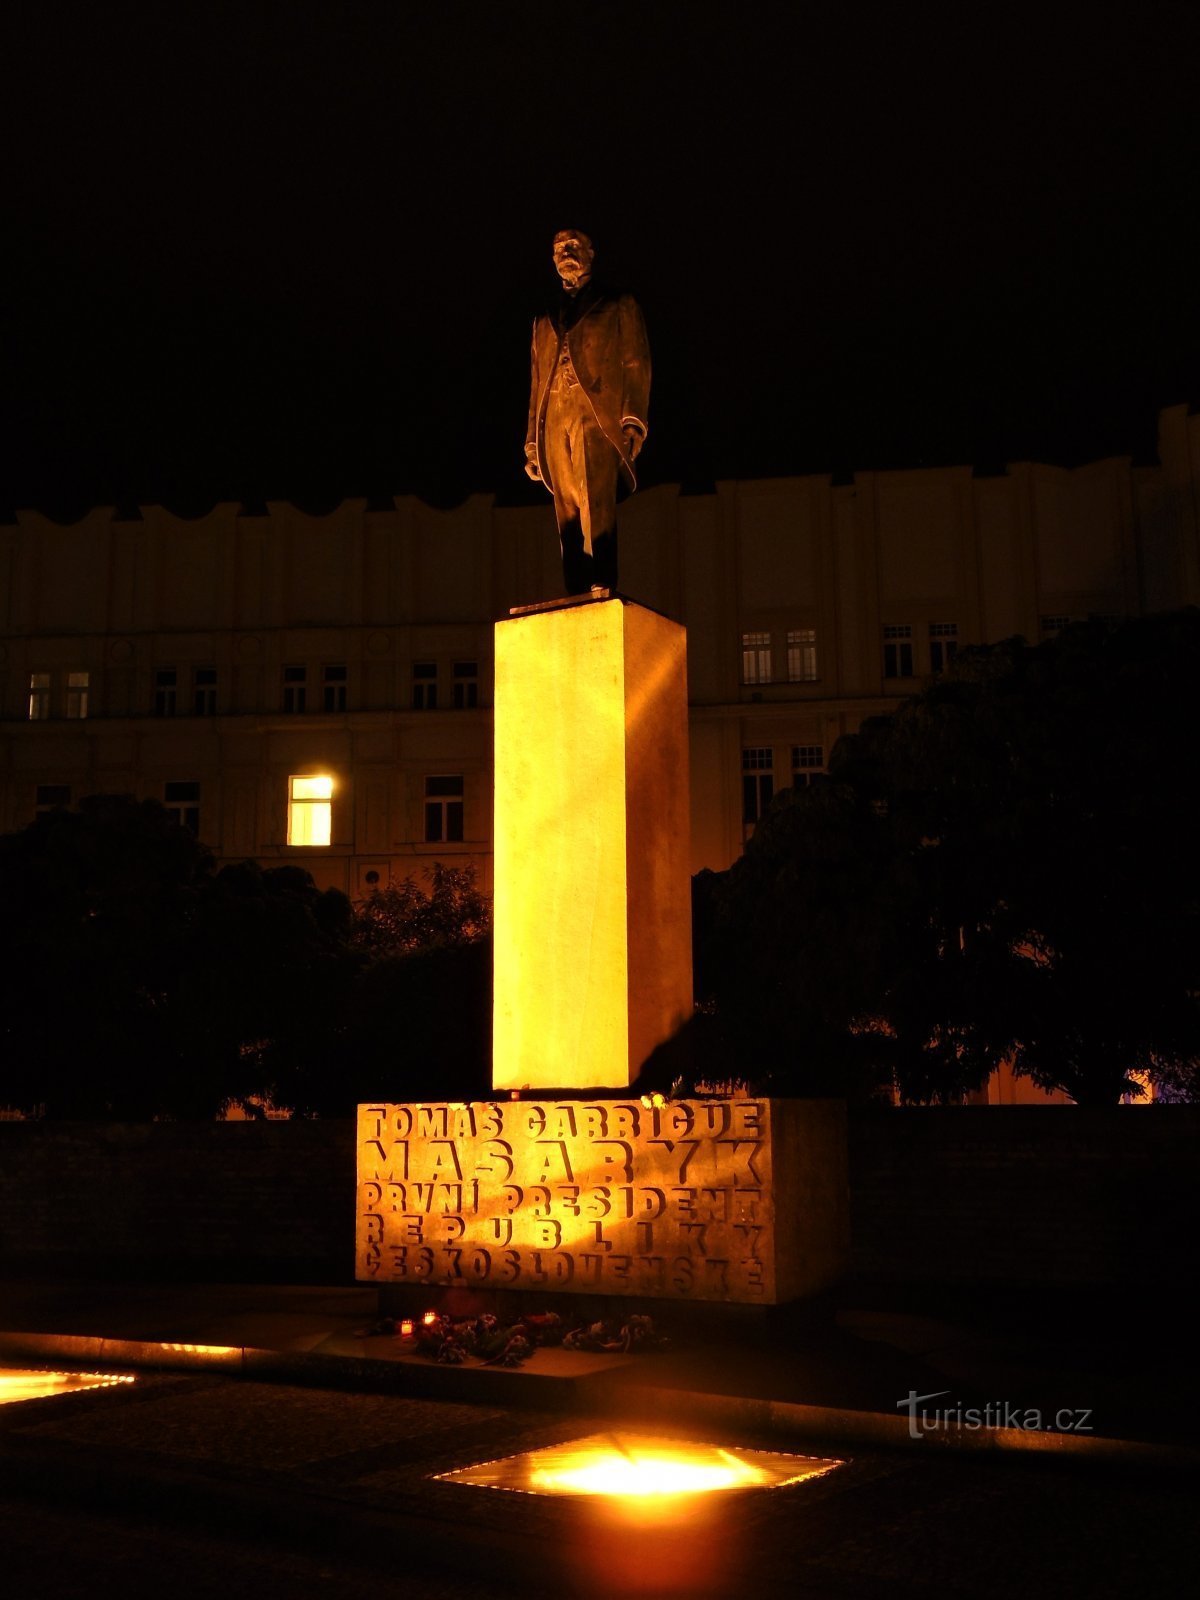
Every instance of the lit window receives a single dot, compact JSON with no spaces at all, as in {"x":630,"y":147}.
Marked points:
{"x":39,"y":696}
{"x":53,"y":796}
{"x":295,"y":689}
{"x":310,"y":809}
{"x":756,"y":658}
{"x":334,"y":684}
{"x":1053,"y":625}
{"x":758,"y":784}
{"x":897,"y":651}
{"x":166,"y":683}
{"x":443,"y":810}
{"x":204,"y":691}
{"x":802,"y":655}
{"x":182,"y":800}
{"x":466,"y":685}
{"x":424,"y":686}
{"x":808,"y":764}
{"x":943,"y":644}
{"x":77,"y":694}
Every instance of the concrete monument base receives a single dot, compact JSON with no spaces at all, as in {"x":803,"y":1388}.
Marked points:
{"x":593,"y":964}
{"x":733,"y":1200}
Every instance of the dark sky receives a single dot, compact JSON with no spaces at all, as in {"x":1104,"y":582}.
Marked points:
{"x":292,"y":250}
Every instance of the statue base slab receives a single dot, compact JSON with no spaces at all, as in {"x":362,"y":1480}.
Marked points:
{"x":734,"y":1200}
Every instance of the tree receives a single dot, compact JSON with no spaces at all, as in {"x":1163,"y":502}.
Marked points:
{"x":403,"y":918}
{"x":136,"y":981}
{"x":418,"y":1017}
{"x":1007,"y":866}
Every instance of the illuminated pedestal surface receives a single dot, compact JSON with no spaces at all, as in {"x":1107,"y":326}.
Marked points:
{"x":592,"y":887}
{"x":729,"y":1200}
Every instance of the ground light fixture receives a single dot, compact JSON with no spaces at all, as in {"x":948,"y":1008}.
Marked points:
{"x":638,"y":1467}
{"x":19,"y":1384}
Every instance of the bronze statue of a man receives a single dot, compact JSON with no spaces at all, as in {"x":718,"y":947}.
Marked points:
{"x":589,"y":392}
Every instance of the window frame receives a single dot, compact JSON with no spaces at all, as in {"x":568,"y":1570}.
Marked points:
{"x":294,"y":684}
{"x":898,"y":661}
{"x":448,"y":806}
{"x":758,"y":785}
{"x":185,"y":809}
{"x":335,"y":685}
{"x":77,"y":693}
{"x":757,"y":662}
{"x":304,"y":812}
{"x":166,"y":691}
{"x":41,"y":686}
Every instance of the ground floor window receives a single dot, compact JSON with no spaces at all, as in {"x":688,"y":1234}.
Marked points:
{"x":182,"y":800}
{"x":310,"y":809}
{"x":758,"y":784}
{"x":52,"y":797}
{"x":808,"y":764}
{"x":897,"y":651}
{"x":443,"y":810}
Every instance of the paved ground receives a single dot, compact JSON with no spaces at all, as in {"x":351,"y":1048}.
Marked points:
{"x":861,"y":1359}
{"x":211,"y":1488}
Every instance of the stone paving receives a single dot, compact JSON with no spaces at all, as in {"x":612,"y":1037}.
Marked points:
{"x":344,"y":1481}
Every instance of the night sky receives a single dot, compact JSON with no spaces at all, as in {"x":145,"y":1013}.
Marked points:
{"x":292,"y":250}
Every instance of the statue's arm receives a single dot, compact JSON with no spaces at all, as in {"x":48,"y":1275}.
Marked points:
{"x":531,"y":461}
{"x":635,"y":369}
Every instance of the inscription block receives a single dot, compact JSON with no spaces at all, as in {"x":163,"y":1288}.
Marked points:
{"x":729,"y":1200}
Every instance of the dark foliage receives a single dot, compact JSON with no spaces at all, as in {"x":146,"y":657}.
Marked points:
{"x":1006,"y":867}
{"x":136,"y":980}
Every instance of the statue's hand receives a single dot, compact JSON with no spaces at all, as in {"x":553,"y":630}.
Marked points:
{"x":633,"y":443}
{"x":532,"y":470}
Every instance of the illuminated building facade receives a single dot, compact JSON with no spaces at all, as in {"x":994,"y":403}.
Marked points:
{"x":318,"y":689}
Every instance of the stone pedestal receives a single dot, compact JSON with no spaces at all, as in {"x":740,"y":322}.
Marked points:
{"x":592,"y":884}
{"x":738,"y":1201}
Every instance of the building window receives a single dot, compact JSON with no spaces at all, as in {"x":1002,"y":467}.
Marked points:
{"x":310,"y":809}
{"x":52,"y":797}
{"x":77,"y":694}
{"x":334,"y":687}
{"x":802,"y":655}
{"x":443,"y":810}
{"x":1053,"y":625}
{"x":758,"y":784}
{"x":166,"y":683}
{"x":808,"y":764}
{"x":897,"y":652}
{"x":39,"y":696}
{"x":295,"y":689}
{"x":182,"y":800}
{"x":756,"y":658}
{"x":424,"y":685}
{"x":466,"y":685}
{"x":943,"y":644}
{"x":204,"y":691}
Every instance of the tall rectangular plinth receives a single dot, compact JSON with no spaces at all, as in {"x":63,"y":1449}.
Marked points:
{"x":592,"y":909}
{"x":734,"y":1200}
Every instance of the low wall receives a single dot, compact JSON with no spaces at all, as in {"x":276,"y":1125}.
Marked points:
{"x":988,"y":1196}
{"x":1025,"y":1195}
{"x":251,"y":1200}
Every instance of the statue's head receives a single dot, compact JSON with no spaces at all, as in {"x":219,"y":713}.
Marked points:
{"x":573,"y":257}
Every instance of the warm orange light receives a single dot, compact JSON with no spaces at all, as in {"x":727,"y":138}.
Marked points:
{"x":630,"y":1467}
{"x":648,"y":1473}
{"x":406,"y":1328}
{"x":592,"y":919}
{"x":203,"y":1349}
{"x":310,"y":809}
{"x":429,"y":1318}
{"x":17,"y":1384}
